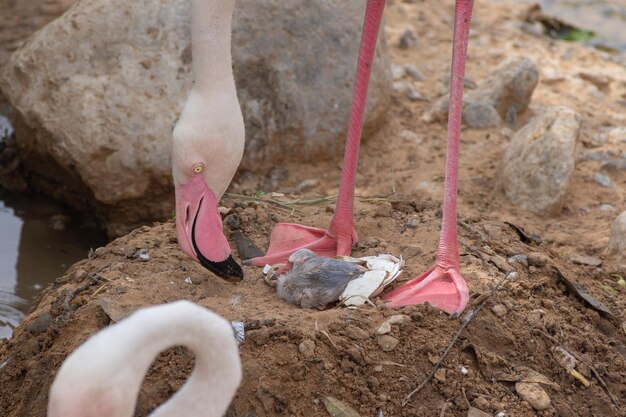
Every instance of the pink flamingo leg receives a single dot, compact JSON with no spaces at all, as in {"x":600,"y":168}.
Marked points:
{"x":338,"y":239}
{"x":443,"y":286}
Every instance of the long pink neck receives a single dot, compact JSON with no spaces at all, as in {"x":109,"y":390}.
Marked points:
{"x":448,"y":244}
{"x":345,"y":200}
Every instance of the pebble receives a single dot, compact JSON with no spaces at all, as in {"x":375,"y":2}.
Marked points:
{"x":384,"y":328}
{"x":481,"y":402}
{"x":80,"y":274}
{"x":407,"y":39}
{"x":414,"y":72}
{"x":383,"y":210}
{"x":537,"y":259}
{"x":535,"y":318}
{"x":440,"y":375}
{"x":533,"y":394}
{"x":399,"y":319}
{"x":397,"y":72}
{"x":245,"y":246}
{"x":414,"y":95}
{"x":412,"y":251}
{"x":586,"y":260}
{"x":519,"y":259}
{"x":499,"y":310}
{"x":307,"y":348}
{"x":387,"y":343}
{"x":494,"y":232}
{"x":603,"y":180}
{"x":412,"y":137}
{"x":40,"y":324}
{"x":606,"y":208}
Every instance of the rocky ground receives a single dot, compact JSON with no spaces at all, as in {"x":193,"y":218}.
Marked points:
{"x":554,"y":233}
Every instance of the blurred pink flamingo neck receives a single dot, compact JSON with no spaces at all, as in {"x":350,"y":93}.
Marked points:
{"x":103,"y":376}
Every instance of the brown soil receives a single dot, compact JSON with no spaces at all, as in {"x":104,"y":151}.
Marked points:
{"x":348,"y":363}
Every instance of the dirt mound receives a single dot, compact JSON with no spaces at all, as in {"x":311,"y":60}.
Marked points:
{"x":293,"y":358}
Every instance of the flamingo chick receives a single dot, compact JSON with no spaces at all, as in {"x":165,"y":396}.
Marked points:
{"x":103,"y":376}
{"x":208,"y":140}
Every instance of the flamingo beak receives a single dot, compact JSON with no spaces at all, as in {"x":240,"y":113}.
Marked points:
{"x":199,"y":229}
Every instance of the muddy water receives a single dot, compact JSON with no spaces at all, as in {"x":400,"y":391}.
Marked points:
{"x":39,"y":240}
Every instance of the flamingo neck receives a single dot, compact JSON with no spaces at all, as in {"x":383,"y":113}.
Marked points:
{"x":217,"y":373}
{"x":211,"y":22}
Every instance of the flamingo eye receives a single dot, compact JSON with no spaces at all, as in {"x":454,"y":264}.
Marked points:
{"x":197,"y":168}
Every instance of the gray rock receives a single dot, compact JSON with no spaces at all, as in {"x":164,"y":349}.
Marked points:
{"x":503,"y":95}
{"x":407,"y":40}
{"x":617,"y":241}
{"x":96,"y":92}
{"x":538,"y":163}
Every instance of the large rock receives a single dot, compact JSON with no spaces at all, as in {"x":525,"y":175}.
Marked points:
{"x":504,"y":94}
{"x":96,"y":93}
{"x":538,"y":163}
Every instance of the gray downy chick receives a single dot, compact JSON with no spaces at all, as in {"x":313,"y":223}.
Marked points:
{"x":315,"y":281}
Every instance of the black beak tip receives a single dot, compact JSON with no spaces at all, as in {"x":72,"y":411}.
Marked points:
{"x":228,"y":269}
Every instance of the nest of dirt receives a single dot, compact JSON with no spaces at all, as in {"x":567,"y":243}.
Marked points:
{"x":293,"y":358}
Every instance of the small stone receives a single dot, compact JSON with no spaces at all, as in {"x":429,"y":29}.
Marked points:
{"x":586,"y":260}
{"x":223,"y":210}
{"x":307,"y":348}
{"x":40,"y":324}
{"x":414,"y":72}
{"x":383,"y":210}
{"x":384,"y":328}
{"x":400,"y":86}
{"x":398,"y":319}
{"x":537,"y":259}
{"x":494,"y":232}
{"x":481,"y":402}
{"x":603,"y":180}
{"x":413,"y":222}
{"x":406,"y":40}
{"x":535,"y":318}
{"x":306,"y":184}
{"x":518,"y":259}
{"x":440,"y":375}
{"x":533,"y":394}
{"x":414,"y":95}
{"x":397,"y":72}
{"x":411,"y":137}
{"x":412,"y":251}
{"x":245,"y":246}
{"x":387,"y":343}
{"x":79,"y":274}
{"x":606,"y":208}
{"x":378,"y":368}
{"x":499,"y":310}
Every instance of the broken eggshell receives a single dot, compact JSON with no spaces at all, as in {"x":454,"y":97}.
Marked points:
{"x":382,"y":270}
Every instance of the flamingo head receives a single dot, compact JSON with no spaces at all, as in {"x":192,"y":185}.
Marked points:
{"x":206,"y":151}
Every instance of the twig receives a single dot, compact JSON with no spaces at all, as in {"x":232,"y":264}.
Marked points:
{"x":466,"y":321}
{"x":325,"y":333}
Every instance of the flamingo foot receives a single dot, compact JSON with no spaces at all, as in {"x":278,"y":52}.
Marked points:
{"x":442,"y":287}
{"x":287,"y":238}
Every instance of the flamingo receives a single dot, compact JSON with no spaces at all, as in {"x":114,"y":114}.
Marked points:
{"x":442,"y":285}
{"x":208,"y":140}
{"x":103,"y":376}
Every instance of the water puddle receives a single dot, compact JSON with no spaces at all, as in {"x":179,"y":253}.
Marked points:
{"x":39,"y":240}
